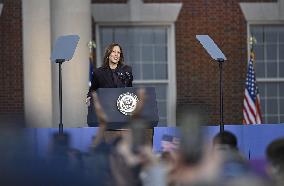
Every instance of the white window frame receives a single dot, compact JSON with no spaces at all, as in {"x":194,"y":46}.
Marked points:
{"x":263,"y":80}
{"x":259,"y":13}
{"x":137,"y":13}
{"x":171,"y":62}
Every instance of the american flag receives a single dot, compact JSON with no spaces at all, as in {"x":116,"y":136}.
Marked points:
{"x":91,"y":69}
{"x":169,"y":143}
{"x":251,"y":110}
{"x":92,"y":46}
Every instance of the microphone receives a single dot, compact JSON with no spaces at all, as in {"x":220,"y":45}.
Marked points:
{"x":121,"y":76}
{"x":129,"y":75}
{"x":125,"y":77}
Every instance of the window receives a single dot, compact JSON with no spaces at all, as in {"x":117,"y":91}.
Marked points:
{"x":269,"y":54}
{"x":146,"y":50}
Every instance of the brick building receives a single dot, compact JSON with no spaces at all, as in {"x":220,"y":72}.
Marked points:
{"x":158,"y":37}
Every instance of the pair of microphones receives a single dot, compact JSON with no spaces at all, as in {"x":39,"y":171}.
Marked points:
{"x":124,"y":76}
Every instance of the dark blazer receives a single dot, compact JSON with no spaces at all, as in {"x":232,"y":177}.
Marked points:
{"x":103,"y":78}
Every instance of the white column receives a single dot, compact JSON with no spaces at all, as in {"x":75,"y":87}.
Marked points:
{"x":71,"y":17}
{"x":36,"y":63}
{"x":281,"y":9}
{"x":1,"y":8}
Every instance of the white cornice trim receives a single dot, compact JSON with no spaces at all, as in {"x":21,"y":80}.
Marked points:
{"x":255,"y":12}
{"x":1,"y":8}
{"x":136,"y":11}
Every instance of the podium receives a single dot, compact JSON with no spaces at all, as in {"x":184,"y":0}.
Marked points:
{"x":112,"y":101}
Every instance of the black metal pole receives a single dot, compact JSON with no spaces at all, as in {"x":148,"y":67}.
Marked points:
{"x":221,"y":98}
{"x":60,"y":98}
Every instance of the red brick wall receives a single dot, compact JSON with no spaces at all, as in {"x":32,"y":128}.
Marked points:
{"x":197,"y":75}
{"x":190,"y":1}
{"x":11,"y":65}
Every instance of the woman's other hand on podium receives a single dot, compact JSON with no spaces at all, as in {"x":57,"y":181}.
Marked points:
{"x":102,"y":119}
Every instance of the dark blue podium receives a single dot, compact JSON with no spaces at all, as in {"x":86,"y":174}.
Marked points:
{"x":111,"y":100}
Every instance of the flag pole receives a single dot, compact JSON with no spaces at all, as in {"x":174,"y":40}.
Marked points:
{"x":251,"y":110}
{"x":221,"y":61}
{"x":91,"y":45}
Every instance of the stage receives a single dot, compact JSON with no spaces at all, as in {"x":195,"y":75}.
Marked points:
{"x":252,"y":139}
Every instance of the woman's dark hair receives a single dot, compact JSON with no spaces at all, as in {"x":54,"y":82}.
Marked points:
{"x":108,"y":52}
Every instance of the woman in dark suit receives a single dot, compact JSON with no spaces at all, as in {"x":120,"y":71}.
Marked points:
{"x":113,"y":73}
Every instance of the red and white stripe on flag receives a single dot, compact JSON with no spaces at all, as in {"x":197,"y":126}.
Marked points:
{"x":251,"y":110}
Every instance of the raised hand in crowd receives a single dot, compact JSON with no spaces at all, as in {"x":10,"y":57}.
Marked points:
{"x":102,"y":119}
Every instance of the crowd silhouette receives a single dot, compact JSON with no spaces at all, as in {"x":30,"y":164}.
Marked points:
{"x":128,"y":159}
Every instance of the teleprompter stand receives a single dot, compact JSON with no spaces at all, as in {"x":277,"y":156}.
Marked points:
{"x":63,"y":50}
{"x":216,"y":54}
